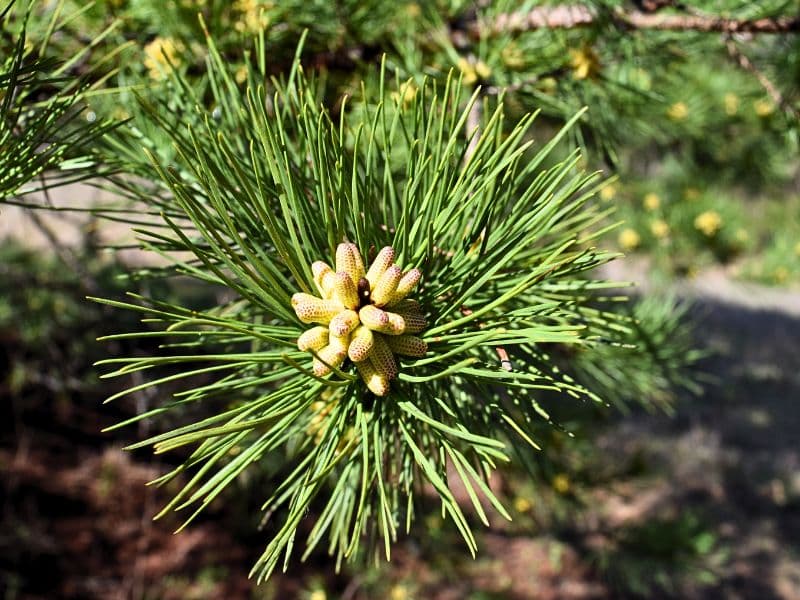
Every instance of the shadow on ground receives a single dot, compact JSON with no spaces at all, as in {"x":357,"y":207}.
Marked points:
{"x":714,"y":512}
{"x":728,"y":464}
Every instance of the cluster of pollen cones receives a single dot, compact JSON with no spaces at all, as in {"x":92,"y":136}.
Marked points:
{"x":363,"y":315}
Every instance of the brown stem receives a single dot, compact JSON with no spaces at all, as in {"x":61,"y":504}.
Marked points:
{"x":574,"y":16}
{"x":746,"y":64}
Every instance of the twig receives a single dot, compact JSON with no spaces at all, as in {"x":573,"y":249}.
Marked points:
{"x":65,"y":254}
{"x":574,"y":16}
{"x":711,"y":24}
{"x":741,"y":59}
{"x":496,"y":90}
{"x":352,"y":588}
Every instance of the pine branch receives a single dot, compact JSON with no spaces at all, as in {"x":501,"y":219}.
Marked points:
{"x":741,"y":59}
{"x":575,"y":16}
{"x":496,"y":239}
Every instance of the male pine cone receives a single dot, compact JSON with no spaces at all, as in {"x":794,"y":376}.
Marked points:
{"x":363,"y":315}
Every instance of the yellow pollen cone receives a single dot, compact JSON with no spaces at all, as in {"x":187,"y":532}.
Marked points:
{"x":323,"y":277}
{"x":373,"y":317}
{"x":382,"y":357}
{"x":406,"y":306}
{"x":348,"y":259}
{"x":382,"y":321}
{"x":407,"y":345}
{"x":383,"y":290}
{"x":407,"y":283}
{"x":414,"y":322}
{"x":629,"y":239}
{"x":311,"y":309}
{"x":378,"y":384}
{"x":343,"y":323}
{"x":397,"y":324}
{"x":345,"y":290}
{"x":339,"y":342}
{"x":360,"y":344}
{"x":367,"y":317}
{"x":482,"y":69}
{"x":382,"y":262}
{"x":313,"y":339}
{"x":708,"y":222}
{"x":333,"y":355}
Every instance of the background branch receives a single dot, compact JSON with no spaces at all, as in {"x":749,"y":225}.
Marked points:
{"x":574,"y":16}
{"x":741,"y":59}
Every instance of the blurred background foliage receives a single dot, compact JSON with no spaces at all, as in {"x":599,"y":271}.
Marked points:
{"x":703,"y":142}
{"x":701,"y":127}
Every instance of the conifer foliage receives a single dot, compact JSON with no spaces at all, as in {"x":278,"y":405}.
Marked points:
{"x":384,"y":390}
{"x":41,"y":129}
{"x":404,"y":271}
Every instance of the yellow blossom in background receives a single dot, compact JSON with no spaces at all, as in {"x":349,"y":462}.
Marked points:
{"x":406,"y":94}
{"x":118,"y":113}
{"x":608,"y":192}
{"x":584,"y":62}
{"x":318,"y":595}
{"x":512,"y":56}
{"x":652,"y":201}
{"x":678,"y":111}
{"x":628,"y":239}
{"x":468,"y":71}
{"x":473,"y":70}
{"x":253,"y":15}
{"x":413,"y":10}
{"x":659,"y":228}
{"x":781,"y":274}
{"x":708,"y":223}
{"x":159,"y":54}
{"x":317,"y":424}
{"x":548,"y":85}
{"x":241,"y":74}
{"x":561,"y":483}
{"x":763,"y":108}
{"x":483,"y":70}
{"x":691,"y":193}
{"x":731,"y":102}
{"x":399,"y":592}
{"x":797,"y":248}
{"x":522,"y":505}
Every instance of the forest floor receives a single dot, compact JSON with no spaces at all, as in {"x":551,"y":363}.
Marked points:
{"x":710,"y":509}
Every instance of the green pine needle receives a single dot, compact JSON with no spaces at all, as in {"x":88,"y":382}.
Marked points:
{"x":45,"y":141}
{"x":274,"y":182}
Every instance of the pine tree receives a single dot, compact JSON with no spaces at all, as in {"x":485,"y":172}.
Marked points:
{"x":407,"y":274}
